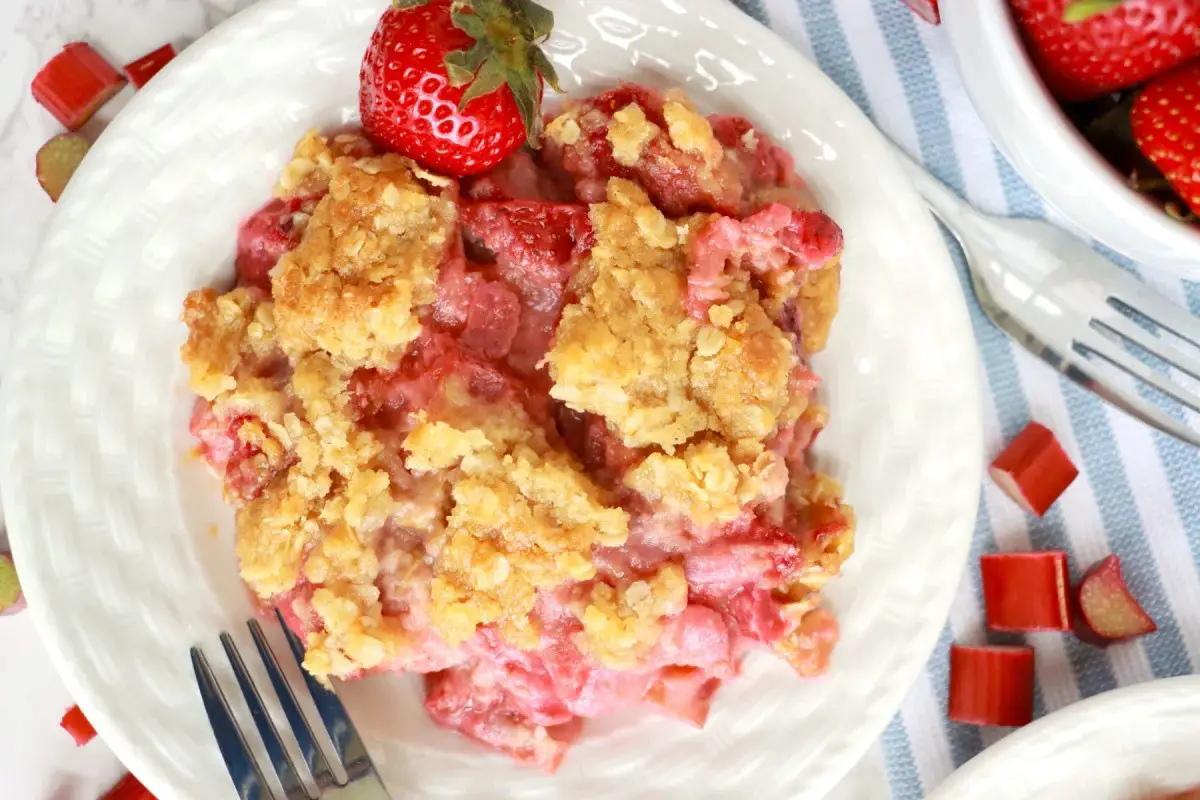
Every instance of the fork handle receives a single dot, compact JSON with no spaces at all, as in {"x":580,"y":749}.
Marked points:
{"x":948,"y":206}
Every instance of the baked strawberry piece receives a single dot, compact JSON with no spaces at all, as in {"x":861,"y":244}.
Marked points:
{"x":637,"y":133}
{"x":533,"y":250}
{"x":234,"y":448}
{"x":774,"y":243}
{"x":265,"y":236}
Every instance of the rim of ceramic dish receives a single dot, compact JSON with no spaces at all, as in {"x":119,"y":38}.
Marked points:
{"x":1156,"y":703}
{"x":1049,"y":131}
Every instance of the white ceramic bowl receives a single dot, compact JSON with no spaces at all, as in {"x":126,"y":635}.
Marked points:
{"x":1049,"y":153}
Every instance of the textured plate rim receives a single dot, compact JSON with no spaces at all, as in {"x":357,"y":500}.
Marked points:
{"x":881,"y":708}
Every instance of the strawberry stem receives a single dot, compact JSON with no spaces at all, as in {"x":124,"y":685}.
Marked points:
{"x":1082,"y":10}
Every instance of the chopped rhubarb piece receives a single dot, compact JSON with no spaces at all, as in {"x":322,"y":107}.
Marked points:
{"x":57,"y":161}
{"x":148,"y":66}
{"x":1034,"y":469}
{"x":11,"y":598}
{"x":128,"y":788}
{"x":76,"y":724}
{"x":1108,"y":612}
{"x":75,"y":84}
{"x":1026,"y":591}
{"x":926,"y":10}
{"x":991,"y":685}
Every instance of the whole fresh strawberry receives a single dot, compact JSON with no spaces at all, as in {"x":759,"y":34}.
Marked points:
{"x":1087,"y":48}
{"x":456,"y":84}
{"x":1166,"y":126}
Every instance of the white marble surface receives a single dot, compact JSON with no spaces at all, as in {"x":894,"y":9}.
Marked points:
{"x":38,"y":761}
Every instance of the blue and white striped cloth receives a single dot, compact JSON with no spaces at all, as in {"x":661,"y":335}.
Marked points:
{"x":1138,"y":494}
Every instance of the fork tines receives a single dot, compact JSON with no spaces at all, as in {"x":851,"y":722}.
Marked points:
{"x":1145,"y":337}
{"x":243,"y":768}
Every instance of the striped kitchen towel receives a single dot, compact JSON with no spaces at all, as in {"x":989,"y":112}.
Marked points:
{"x":1138,"y":494}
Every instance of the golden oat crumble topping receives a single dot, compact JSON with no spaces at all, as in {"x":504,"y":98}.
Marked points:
{"x":501,"y":512}
{"x":318,"y":521}
{"x":224,"y":329}
{"x":623,"y":350}
{"x":564,"y":128}
{"x":622,"y":624}
{"x":311,"y":166}
{"x":628,"y":132}
{"x":817,"y":499}
{"x":366,"y":264}
{"x":818,"y":302}
{"x":705,"y":483}
{"x":689,"y":130}
{"x":346,"y":296}
{"x":629,"y":352}
{"x":524,"y":516}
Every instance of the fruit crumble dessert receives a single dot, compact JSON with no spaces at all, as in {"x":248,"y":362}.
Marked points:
{"x":538,"y":434}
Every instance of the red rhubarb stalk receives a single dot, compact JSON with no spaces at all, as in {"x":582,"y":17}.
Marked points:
{"x":148,"y":66}
{"x":1108,"y":611}
{"x":11,"y":598}
{"x":75,"y":83}
{"x":1026,"y":591}
{"x":57,"y":161}
{"x":76,"y":724}
{"x":1034,"y":469}
{"x":991,"y":685}
{"x":128,"y":788}
{"x":926,"y":10}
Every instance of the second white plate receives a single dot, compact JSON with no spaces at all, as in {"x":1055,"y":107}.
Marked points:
{"x":1122,"y":745}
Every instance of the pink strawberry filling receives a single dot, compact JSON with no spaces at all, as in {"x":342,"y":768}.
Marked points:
{"x":226,"y":453}
{"x":774,"y":239}
{"x":265,"y":237}
{"x":526,"y":234}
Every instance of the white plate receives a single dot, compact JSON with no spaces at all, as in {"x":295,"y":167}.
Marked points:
{"x":1121,"y":745}
{"x":1052,"y":156}
{"x":125,"y":548}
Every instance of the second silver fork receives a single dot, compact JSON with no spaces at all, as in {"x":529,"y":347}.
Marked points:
{"x":1073,"y":308}
{"x":362,"y":783}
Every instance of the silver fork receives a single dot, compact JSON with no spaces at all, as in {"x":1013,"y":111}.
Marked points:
{"x":363,"y":782}
{"x":1073,"y":308}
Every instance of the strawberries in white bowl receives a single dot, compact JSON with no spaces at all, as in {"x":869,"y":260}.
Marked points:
{"x":1041,"y":100}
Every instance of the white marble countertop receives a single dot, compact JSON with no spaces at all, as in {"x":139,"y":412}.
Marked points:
{"x":39,"y":761}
